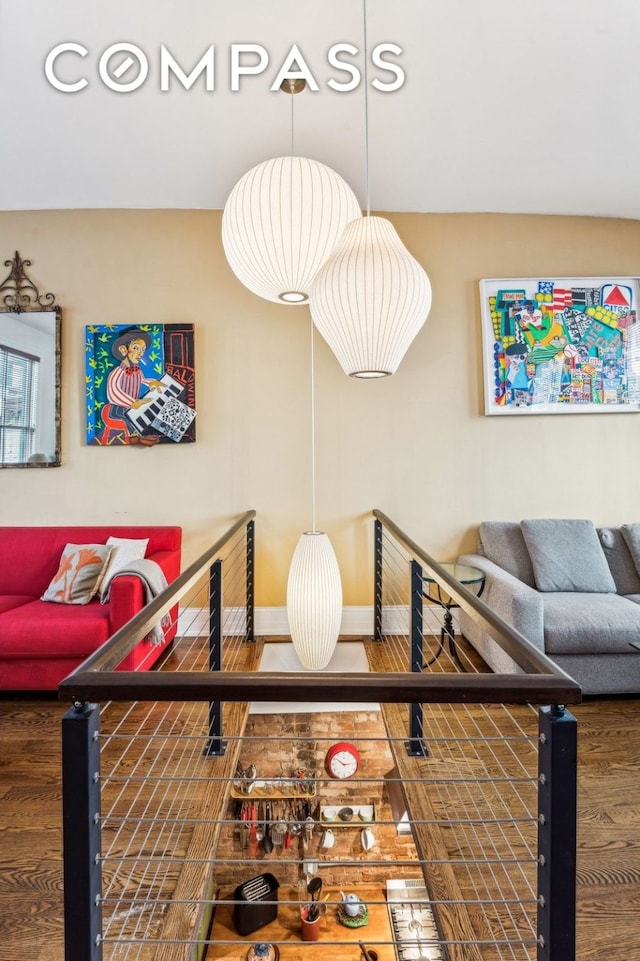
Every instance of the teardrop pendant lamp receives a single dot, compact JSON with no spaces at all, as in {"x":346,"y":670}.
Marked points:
{"x":282,"y":220}
{"x":314,"y":589}
{"x":371,"y":297}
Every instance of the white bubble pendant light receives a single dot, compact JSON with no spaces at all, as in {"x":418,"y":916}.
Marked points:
{"x":370,"y":299}
{"x":281,"y":222}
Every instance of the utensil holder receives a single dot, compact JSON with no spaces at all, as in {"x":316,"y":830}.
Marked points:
{"x":309,"y":930}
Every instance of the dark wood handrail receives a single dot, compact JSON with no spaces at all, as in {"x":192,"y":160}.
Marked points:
{"x":387,"y":688}
{"x":112,"y":652}
{"x":512,"y":642}
{"x":97,"y":680}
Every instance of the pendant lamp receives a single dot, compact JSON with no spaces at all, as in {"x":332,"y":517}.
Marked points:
{"x":314,"y":600}
{"x":371,"y":297}
{"x":314,"y":589}
{"x":632,"y":362}
{"x":282,"y":220}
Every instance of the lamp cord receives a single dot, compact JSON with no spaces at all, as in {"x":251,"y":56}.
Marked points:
{"x":366,"y":107}
{"x":313,"y":437}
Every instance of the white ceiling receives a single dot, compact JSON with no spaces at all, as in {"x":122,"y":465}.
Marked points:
{"x":524,"y":106}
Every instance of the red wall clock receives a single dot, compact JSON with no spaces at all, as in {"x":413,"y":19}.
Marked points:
{"x":342,"y":760}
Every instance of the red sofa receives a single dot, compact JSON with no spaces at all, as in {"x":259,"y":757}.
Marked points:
{"x":42,"y":642}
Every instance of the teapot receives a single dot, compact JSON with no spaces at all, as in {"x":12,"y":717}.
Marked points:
{"x":352,"y":905}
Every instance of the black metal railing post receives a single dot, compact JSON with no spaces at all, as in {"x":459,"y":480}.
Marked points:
{"x":415,"y":746}
{"x":377,"y":581}
{"x":250,"y":602}
{"x":82,"y":833}
{"x":557,"y":814}
{"x":215,"y":744}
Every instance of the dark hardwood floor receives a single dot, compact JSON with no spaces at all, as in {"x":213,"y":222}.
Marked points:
{"x":30,"y":830}
{"x":608,"y":829}
{"x":608,"y":832}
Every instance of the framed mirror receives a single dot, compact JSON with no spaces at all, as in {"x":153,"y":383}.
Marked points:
{"x":30,"y":332}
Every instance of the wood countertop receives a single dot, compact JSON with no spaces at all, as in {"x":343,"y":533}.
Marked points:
{"x":285,"y":930}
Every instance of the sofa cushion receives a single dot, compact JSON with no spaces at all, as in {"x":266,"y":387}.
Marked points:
{"x":503,"y":543}
{"x":567,"y":556}
{"x":631,"y":534}
{"x":42,"y":630}
{"x":619,"y":560}
{"x":587,"y":623}
{"x":10,"y":601}
{"x":79,"y":574}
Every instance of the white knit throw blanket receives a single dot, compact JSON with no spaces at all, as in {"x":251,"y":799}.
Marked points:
{"x":153,"y":583}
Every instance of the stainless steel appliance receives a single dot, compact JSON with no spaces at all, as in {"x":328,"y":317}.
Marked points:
{"x":413,"y":922}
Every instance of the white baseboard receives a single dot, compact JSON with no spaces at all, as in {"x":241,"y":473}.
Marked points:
{"x":272,"y":621}
{"x":269,"y":621}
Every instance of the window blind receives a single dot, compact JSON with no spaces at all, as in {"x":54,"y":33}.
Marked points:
{"x":18,"y":404}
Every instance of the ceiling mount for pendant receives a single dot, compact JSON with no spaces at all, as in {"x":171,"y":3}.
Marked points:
{"x":289,"y":85}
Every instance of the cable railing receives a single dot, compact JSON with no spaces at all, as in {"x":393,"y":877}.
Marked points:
{"x":185,"y":786}
{"x":497,"y":762}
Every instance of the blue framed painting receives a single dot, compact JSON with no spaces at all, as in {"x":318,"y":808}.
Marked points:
{"x":557,"y":345}
{"x":140,"y":384}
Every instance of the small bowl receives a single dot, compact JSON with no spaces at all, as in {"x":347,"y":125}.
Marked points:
{"x":365,"y":813}
{"x":330,"y":814}
{"x":345,"y":814}
{"x":263,"y":951}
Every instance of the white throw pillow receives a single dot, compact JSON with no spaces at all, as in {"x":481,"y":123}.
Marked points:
{"x":123,"y":551}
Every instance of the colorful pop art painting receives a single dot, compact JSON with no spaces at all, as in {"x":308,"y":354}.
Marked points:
{"x":557,"y":345}
{"x":140,"y":384}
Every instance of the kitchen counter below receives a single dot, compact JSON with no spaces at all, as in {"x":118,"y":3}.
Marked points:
{"x":285,"y":930}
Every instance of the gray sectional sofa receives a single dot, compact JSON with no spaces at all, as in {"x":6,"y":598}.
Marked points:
{"x":571,"y":589}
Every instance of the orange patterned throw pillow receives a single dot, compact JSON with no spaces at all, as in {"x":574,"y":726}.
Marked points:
{"x":78,"y":577}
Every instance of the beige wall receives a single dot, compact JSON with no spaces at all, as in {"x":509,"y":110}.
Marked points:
{"x":417,"y":444}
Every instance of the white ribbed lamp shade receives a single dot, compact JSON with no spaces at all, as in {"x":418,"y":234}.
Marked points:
{"x":281,"y":222}
{"x":314,"y":600}
{"x":370,"y":298}
{"x":632,"y":361}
